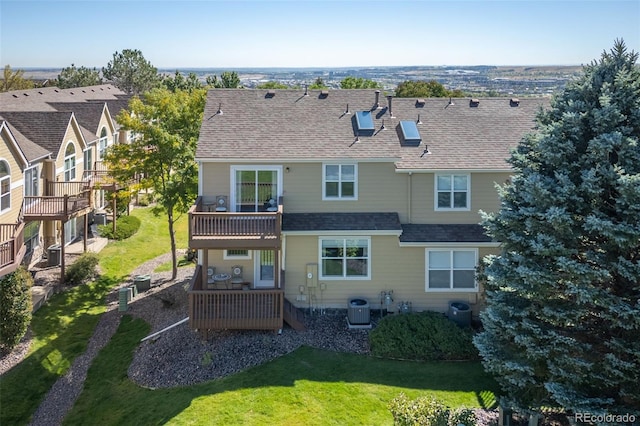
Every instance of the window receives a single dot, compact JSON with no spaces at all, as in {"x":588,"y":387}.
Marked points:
{"x":236,"y":254}
{"x":88,"y":159}
{"x":5,"y":186}
{"x":32,"y":235}
{"x":452,"y":192}
{"x":340,"y":182}
{"x":102,"y":143}
{"x":31,"y":181}
{"x":345,"y":258}
{"x":451,"y":270}
{"x":70,"y":162}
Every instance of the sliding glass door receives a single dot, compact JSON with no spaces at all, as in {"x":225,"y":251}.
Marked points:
{"x":255,"y":188}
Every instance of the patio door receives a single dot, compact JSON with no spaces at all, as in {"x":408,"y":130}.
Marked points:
{"x":70,"y":231}
{"x":254,"y":186}
{"x":264,"y":269}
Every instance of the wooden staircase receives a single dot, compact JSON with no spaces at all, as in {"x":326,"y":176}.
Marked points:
{"x":293,"y":316}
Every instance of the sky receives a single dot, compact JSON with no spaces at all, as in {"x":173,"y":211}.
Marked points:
{"x":316,"y":34}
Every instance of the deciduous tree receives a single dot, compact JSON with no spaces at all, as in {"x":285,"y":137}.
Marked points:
{"x":358,"y":83}
{"x":167,"y":124}
{"x":272,"y":85}
{"x":562,"y":322}
{"x":425,"y":89}
{"x":78,"y":77}
{"x":180,"y":82}
{"x":131,"y":72}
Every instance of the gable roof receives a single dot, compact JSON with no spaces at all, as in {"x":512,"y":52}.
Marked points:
{"x":281,"y":125}
{"x":31,"y":151}
{"x":88,"y":115}
{"x":44,"y":128}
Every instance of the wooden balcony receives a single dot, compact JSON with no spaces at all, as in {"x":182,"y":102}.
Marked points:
{"x":225,"y":230}
{"x":233,"y":309}
{"x":12,"y":248}
{"x":100,"y":178}
{"x":64,"y":201}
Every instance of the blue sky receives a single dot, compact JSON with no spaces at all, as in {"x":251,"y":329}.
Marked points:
{"x":238,"y":34}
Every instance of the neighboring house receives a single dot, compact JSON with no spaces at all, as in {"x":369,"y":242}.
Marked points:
{"x":344,"y":194}
{"x":61,"y":136}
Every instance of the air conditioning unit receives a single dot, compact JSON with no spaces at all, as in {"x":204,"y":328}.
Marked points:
{"x":358,"y":312}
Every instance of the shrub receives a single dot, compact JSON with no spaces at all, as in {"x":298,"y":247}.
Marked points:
{"x":82,"y":270}
{"x":145,"y":200}
{"x":424,"y":336}
{"x":428,"y":411}
{"x":15,"y":307}
{"x":123,"y":198}
{"x":126,"y":226}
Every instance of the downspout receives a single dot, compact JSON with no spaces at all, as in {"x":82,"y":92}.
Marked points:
{"x":409,"y":198}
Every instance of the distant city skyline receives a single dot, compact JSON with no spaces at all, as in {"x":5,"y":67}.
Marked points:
{"x":314,"y":34}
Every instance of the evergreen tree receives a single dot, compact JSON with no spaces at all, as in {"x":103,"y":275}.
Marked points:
{"x":131,"y":72}
{"x":562,"y":321}
{"x":78,"y":77}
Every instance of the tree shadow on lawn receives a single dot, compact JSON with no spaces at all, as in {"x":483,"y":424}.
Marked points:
{"x":63,"y":338}
{"x":110,"y":397}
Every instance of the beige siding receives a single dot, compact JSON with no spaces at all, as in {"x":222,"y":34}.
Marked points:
{"x":380,"y":189}
{"x":72,"y":135}
{"x":484,"y":196}
{"x":223,"y":266}
{"x":401,"y":269}
{"x":9,"y":154}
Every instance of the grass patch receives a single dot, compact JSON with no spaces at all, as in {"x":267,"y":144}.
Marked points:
{"x":166,"y":267}
{"x":308,"y":386}
{"x":62,"y":328}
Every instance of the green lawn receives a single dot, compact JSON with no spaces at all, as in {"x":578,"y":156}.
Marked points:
{"x":306,"y":387}
{"x":62,"y":327}
{"x":309,"y":386}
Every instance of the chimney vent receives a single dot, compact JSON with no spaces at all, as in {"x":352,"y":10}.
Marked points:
{"x":306,"y":90}
{"x":389,"y":98}
{"x":376,"y":105}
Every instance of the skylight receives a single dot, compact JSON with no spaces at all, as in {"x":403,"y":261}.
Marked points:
{"x":364,"y":121}
{"x":410,"y":133}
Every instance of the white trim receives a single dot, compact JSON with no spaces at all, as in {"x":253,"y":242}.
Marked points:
{"x":427,"y":289}
{"x":355,"y":181}
{"x":227,"y":256}
{"x":8,"y":194}
{"x":435,"y":193}
{"x":344,"y":277}
{"x":449,"y":244}
{"x":17,"y":184}
{"x":252,"y":167}
{"x":343,"y":233}
{"x":200,"y":178}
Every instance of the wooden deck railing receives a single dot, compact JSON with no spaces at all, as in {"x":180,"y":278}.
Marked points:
{"x":234,"y":309}
{"x":264,"y":226}
{"x":59,"y":207}
{"x":60,"y":189}
{"x":11,"y":243}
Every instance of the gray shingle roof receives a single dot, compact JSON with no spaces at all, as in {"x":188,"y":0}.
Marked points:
{"x":432,"y":233}
{"x":291,"y":126}
{"x":341,"y":222}
{"x":88,"y":115}
{"x":29,"y":149}
{"x":46,"y":129}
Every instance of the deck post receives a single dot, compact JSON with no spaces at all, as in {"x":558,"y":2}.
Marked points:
{"x":85,"y":233}
{"x":62,"y":263}
{"x":205,"y":268}
{"x":114,"y":212}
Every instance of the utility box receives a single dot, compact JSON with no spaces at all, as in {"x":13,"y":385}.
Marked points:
{"x":53,"y":255}
{"x":312,"y":275}
{"x":123,"y":298}
{"x":100,"y":218}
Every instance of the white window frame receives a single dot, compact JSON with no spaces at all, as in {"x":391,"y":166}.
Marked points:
{"x":254,"y":168}
{"x":103,"y":142}
{"x":473,"y":289}
{"x":339,"y":197}
{"x":452,"y":192}
{"x":227,"y":256}
{"x":68,"y":172}
{"x":344,"y":276}
{"x":7,"y":194}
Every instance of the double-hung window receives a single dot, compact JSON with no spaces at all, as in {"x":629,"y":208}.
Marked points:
{"x":448,"y":270}
{"x":70,"y":162}
{"x":453,"y":192}
{"x":340,"y":182}
{"x":5,"y":186}
{"x":345,"y":258}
